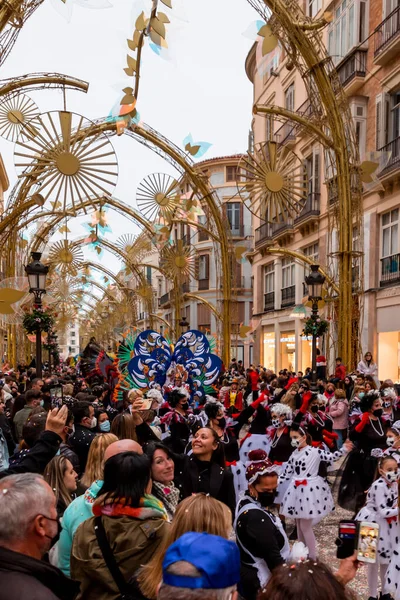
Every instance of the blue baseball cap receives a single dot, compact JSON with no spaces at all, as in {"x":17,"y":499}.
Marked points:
{"x":217,"y":559}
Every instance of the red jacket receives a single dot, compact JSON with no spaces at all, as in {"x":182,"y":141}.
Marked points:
{"x":340,"y":372}
{"x":238,"y":400}
{"x":254,"y":379}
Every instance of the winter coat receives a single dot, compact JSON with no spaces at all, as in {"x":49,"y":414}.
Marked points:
{"x":78,"y":511}
{"x":20,"y":419}
{"x":133,"y":542}
{"x":339,"y":411}
{"x":35,"y":460}
{"x":340,"y":372}
{"x":80,"y":442}
{"x":24,"y":577}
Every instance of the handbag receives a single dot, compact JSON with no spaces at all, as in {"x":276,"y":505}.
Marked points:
{"x":127,"y":590}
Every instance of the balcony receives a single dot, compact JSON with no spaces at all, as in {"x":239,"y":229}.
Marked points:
{"x":142,"y":316}
{"x":390,"y":270}
{"x":387,"y":38}
{"x":269,"y":301}
{"x":288,"y":296}
{"x":286,"y":134}
{"x":164,"y":300}
{"x":239,"y":282}
{"x":352,"y":70}
{"x":204,"y":284}
{"x":270,"y":231}
{"x":393,"y":149}
{"x":311,"y":209}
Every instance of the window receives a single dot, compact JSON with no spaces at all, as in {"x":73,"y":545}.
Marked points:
{"x":269,"y":278}
{"x":390,"y":233}
{"x":289,"y":98}
{"x":232,"y":173}
{"x":359,"y":113}
{"x":203,"y":267}
{"x":202,"y":235}
{"x":238,"y":316}
{"x":148,"y":274}
{"x":313,"y":7}
{"x":313,"y":173}
{"x":270,"y":64}
{"x":287,"y":272}
{"x":203,"y":318}
{"x":233,"y":213}
{"x":348,"y":28}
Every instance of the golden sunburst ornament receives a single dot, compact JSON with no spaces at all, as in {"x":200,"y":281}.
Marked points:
{"x":134,"y":246}
{"x":15,"y":112}
{"x":158,"y":196}
{"x":273,"y":182}
{"x":70,"y":161}
{"x":66,"y":257}
{"x":179,"y":261}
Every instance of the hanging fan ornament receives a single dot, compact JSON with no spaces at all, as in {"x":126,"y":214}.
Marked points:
{"x":66,"y":256}
{"x":69,"y":157}
{"x":134,"y":246}
{"x":15,"y":112}
{"x":272,"y":182}
{"x":158,"y":196}
{"x":179,"y":260}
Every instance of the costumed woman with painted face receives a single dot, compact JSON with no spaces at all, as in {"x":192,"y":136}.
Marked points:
{"x":176,"y":420}
{"x":382,"y":508}
{"x":391,"y":413}
{"x":319,"y":424}
{"x":281,"y":447}
{"x":259,"y":533}
{"x":393,"y":442}
{"x":368,"y":433}
{"x":308,"y":498}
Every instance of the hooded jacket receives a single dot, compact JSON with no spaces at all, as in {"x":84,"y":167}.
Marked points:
{"x":78,"y":511}
{"x":133,"y":542}
{"x":22,"y":576}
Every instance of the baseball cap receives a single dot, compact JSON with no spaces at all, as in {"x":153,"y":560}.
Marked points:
{"x":217,"y":559}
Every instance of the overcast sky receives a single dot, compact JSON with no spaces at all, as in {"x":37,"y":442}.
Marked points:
{"x":204,"y":90}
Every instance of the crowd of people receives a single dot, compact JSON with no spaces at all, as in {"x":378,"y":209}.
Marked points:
{"x":163,"y":496}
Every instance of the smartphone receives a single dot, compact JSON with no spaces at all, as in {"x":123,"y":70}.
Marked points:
{"x":368,"y":537}
{"x":146,"y":403}
{"x":347,"y":539}
{"x":56,"y":392}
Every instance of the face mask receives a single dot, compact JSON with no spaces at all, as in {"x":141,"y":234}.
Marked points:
{"x":391,"y":476}
{"x":71,"y":430}
{"x":105,"y":426}
{"x":185,"y":406}
{"x":314,"y":409}
{"x":41,"y":403}
{"x":378,"y":412}
{"x":93,"y":423}
{"x":387,"y":404}
{"x":266,"y":498}
{"x":390,"y":441}
{"x":222,"y":422}
{"x":276,"y":423}
{"x":296,"y":442}
{"x":361,"y":395}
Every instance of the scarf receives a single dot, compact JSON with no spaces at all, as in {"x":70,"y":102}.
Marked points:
{"x":168,"y":494}
{"x":150,"y":508}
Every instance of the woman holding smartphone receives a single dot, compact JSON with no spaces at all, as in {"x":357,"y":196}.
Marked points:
{"x":382,"y":508}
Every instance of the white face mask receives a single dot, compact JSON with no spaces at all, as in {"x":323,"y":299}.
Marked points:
{"x":391,"y":476}
{"x":387,"y":404}
{"x":93,"y":423}
{"x":390,"y":441}
{"x":276,"y":423}
{"x":296,"y":442}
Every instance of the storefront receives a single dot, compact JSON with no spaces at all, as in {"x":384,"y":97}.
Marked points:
{"x":268,"y":350}
{"x":287,"y":350}
{"x":389,"y":355}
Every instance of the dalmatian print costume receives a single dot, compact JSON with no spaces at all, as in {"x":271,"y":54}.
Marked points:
{"x":254,"y":441}
{"x":381,"y":507}
{"x":308,"y":495}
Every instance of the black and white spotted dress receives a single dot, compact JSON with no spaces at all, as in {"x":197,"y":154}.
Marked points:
{"x":381,"y":507}
{"x":308,"y":495}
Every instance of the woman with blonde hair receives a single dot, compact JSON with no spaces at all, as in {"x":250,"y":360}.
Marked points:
{"x":81,"y":508}
{"x":199,"y":513}
{"x":95,"y":461}
{"x":61,"y":477}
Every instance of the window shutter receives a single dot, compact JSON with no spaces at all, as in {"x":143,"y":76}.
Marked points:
{"x":317,"y":187}
{"x":238,"y":275}
{"x":196,"y":268}
{"x":378,"y":122}
{"x":207,"y":266}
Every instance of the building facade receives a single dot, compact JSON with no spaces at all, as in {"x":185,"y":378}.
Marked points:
{"x":222,"y":174}
{"x":364,"y":42}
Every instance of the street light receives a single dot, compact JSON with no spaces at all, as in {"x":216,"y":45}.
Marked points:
{"x":52,"y":341}
{"x":314,"y":281}
{"x":37,"y":273}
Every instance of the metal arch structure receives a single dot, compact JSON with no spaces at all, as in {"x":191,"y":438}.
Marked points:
{"x":156,"y":142}
{"x":13,"y":15}
{"x":39,"y":81}
{"x":301,"y":38}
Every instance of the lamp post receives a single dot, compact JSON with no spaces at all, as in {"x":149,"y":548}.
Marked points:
{"x":314,"y":281}
{"x":37,"y":273}
{"x":52,"y":341}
